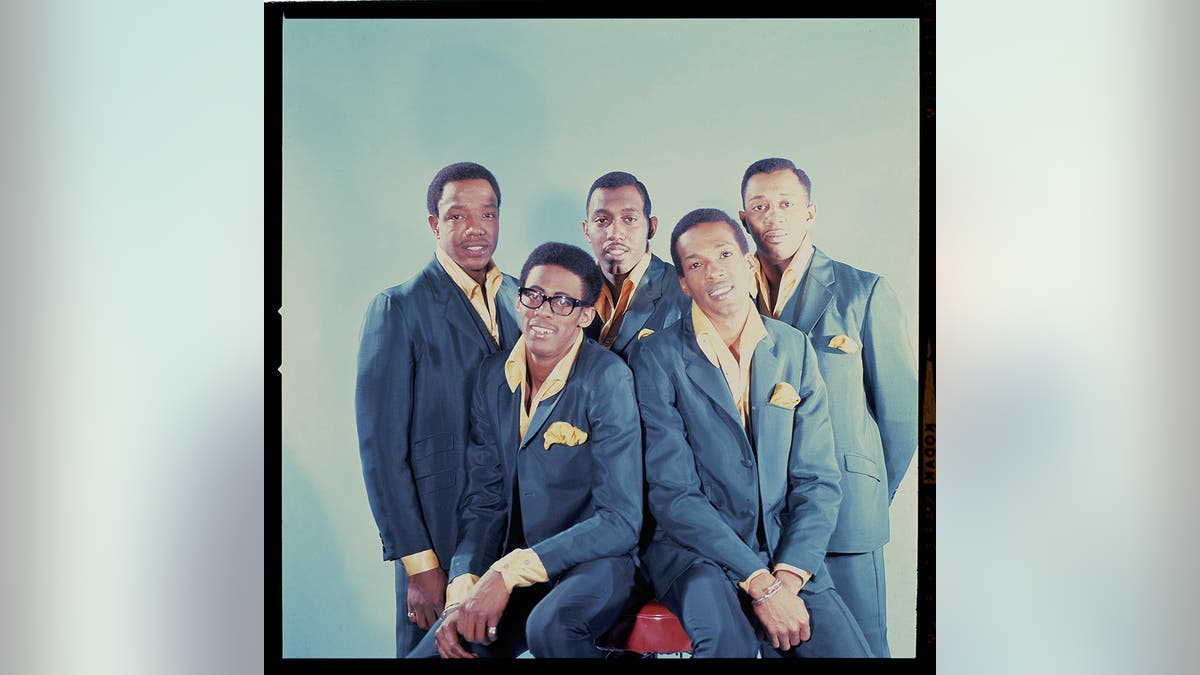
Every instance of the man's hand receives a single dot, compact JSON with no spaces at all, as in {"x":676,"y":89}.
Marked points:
{"x":426,"y":596}
{"x":446,"y":637}
{"x":784,"y":619}
{"x":480,"y":613}
{"x":792,"y":582}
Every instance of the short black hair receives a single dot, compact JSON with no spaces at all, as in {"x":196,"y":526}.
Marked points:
{"x":571,"y":258}
{"x":695,"y":217}
{"x":618,"y":179}
{"x":453,"y":172}
{"x":771,"y":165}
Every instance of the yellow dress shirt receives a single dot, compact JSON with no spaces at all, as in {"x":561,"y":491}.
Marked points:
{"x":515,"y":369}
{"x":736,"y":372}
{"x":482,"y":299}
{"x":610,"y":312}
{"x":521,"y":567}
{"x":789,"y":281}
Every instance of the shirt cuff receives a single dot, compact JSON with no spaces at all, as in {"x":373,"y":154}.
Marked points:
{"x":746,"y":584}
{"x":419,"y":562}
{"x":521,"y":567}
{"x":459,"y":588}
{"x":803,"y":574}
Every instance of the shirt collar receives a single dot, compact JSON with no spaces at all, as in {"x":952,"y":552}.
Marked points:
{"x":464,"y":281}
{"x":638,"y":272}
{"x":631,"y":282}
{"x":789,"y":281}
{"x":516,"y":366}
{"x":710,"y":340}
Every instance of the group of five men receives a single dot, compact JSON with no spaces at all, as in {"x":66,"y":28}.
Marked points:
{"x":725,"y":432}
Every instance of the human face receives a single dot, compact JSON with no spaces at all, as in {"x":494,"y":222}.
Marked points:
{"x":777,"y":215}
{"x":467,"y":224}
{"x":548,"y":336}
{"x":618,"y":229}
{"x":716,"y":274}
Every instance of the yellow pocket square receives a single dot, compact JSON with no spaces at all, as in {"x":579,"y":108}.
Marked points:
{"x":561,"y":432}
{"x":644,"y":332}
{"x":844,"y":343}
{"x":785,"y":396}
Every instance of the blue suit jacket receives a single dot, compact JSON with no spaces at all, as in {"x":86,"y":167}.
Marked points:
{"x":709,"y":482}
{"x":422,"y":343}
{"x":872,"y":393}
{"x":578,"y":503}
{"x":657,"y":302}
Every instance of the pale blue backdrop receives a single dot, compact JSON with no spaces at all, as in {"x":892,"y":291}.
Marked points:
{"x":372,"y":109}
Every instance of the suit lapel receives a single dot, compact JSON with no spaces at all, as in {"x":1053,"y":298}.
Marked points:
{"x":806,"y":307}
{"x":540,"y":416}
{"x":709,"y":380}
{"x":546,"y":408}
{"x":509,"y":407}
{"x":642,"y":306}
{"x":456,"y":308}
{"x":765,"y":372}
{"x":510,"y":326}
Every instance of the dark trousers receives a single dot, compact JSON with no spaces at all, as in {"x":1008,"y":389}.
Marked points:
{"x":408,"y":635}
{"x":721,"y":623}
{"x":859,"y":579}
{"x":559,"y":619}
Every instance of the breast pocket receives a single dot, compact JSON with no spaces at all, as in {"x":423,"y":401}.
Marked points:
{"x":842,"y":370}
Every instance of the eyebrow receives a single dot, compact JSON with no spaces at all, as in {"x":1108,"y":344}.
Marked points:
{"x":718,"y":248}
{"x":490,"y":202}
{"x":458,"y":207}
{"x":627,"y":209}
{"x":550,"y":293}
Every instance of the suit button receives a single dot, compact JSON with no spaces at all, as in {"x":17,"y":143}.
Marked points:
{"x":747,"y":463}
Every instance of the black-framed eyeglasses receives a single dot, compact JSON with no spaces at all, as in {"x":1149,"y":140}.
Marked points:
{"x":561,"y":305}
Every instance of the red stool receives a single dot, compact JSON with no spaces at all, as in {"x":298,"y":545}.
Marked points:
{"x":648,"y":632}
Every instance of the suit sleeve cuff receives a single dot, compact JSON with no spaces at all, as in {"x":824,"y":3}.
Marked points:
{"x":419,"y":562}
{"x":521,"y":567}
{"x":459,"y":588}
{"x":803,"y":574}
{"x":745,"y":585}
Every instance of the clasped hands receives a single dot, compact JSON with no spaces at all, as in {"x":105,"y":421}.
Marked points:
{"x":783,"y":615}
{"x":474,"y":619}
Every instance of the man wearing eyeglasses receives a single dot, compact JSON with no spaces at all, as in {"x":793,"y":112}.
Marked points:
{"x":640,"y":294}
{"x":422,"y":342}
{"x":553,"y":503}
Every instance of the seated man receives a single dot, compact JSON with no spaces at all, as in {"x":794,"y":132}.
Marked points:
{"x":553,"y":503}
{"x":743,"y":483}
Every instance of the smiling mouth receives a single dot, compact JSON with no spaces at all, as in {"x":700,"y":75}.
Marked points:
{"x":720,"y":291}
{"x":616,"y":250}
{"x":539,"y":331}
{"x":775,"y":236}
{"x":475,"y":249}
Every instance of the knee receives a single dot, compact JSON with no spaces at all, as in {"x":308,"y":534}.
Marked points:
{"x":551,"y":631}
{"x":728,"y":636}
